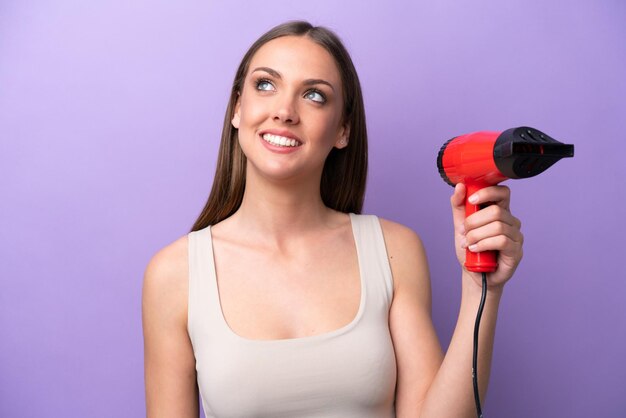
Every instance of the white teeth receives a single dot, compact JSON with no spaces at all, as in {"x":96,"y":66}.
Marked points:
{"x":280,"y":141}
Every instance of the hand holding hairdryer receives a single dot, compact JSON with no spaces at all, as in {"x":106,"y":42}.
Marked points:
{"x":482,"y":159}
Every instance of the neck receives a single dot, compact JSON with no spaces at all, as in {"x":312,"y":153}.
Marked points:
{"x":278,"y":210}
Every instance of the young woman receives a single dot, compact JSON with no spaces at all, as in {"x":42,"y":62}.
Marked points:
{"x":283,"y":301}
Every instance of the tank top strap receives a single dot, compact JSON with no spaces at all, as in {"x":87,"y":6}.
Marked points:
{"x":203,"y":297}
{"x":373,"y":259}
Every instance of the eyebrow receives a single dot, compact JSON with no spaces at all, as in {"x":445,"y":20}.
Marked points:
{"x":308,"y":82}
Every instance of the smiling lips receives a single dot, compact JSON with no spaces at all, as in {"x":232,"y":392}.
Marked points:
{"x":280,"y":141}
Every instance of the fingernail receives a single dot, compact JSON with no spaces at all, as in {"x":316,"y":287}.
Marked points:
{"x":473,"y":198}
{"x":472,"y":247}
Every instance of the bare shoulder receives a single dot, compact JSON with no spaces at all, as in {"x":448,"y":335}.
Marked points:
{"x":406,"y":253}
{"x":166,"y":278}
{"x":399,"y":237}
{"x":169,"y":257}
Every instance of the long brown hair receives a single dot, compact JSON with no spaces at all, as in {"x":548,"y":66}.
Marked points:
{"x":345,"y":171}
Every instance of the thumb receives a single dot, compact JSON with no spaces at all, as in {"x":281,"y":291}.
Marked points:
{"x":457,"y":201}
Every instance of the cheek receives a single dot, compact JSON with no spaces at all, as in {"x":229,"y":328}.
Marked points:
{"x":250,"y":110}
{"x":329,"y":126}
{"x":252,"y":114}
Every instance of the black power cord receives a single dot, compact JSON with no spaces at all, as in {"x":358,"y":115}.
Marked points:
{"x":483,"y":296}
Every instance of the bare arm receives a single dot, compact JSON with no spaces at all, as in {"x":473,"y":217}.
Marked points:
{"x":429,"y":384}
{"x":170,"y":374}
{"x":417,"y":348}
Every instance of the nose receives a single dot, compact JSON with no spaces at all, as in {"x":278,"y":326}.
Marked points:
{"x":286,"y":110}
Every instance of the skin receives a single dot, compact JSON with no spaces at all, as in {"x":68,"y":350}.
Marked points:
{"x":306,"y":278}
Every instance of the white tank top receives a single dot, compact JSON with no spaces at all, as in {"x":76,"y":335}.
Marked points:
{"x":348,"y":372}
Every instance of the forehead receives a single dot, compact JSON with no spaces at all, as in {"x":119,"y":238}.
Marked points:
{"x":297,"y":56}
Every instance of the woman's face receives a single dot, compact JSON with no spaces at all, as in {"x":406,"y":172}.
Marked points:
{"x":289,"y":113}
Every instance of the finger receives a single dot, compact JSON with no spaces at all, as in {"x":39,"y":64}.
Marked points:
{"x":493,"y":229}
{"x":492,"y":213}
{"x":499,"y":195}
{"x":502,"y":243}
{"x":457,"y":202}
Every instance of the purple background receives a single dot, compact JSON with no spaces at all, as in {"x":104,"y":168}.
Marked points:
{"x":110,"y":115}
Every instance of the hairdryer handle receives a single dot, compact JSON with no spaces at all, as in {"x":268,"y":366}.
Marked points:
{"x":483,"y":262}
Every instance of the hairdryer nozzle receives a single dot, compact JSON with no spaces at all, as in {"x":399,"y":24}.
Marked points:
{"x":525,"y":152}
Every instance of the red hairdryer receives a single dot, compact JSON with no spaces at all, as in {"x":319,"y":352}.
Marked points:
{"x":482,"y":159}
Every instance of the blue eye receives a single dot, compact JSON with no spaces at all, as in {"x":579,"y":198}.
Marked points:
{"x":264,"y":85}
{"x":316,"y":96}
